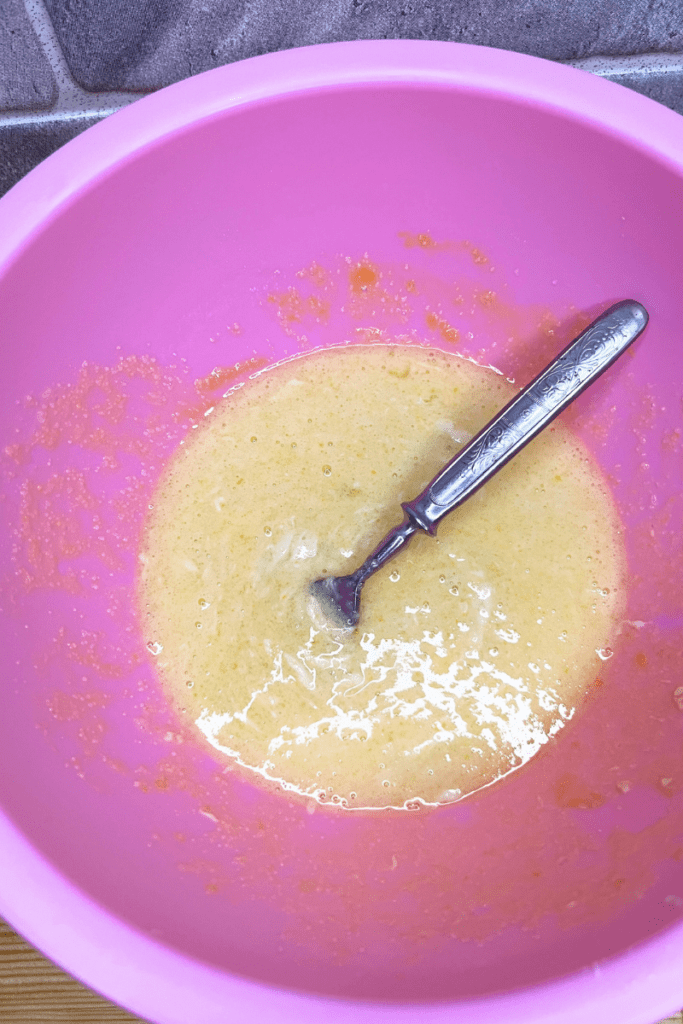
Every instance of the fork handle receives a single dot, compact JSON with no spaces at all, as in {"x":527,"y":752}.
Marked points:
{"x":576,"y":367}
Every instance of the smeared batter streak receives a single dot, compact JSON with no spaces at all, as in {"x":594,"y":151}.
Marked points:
{"x":473,"y":648}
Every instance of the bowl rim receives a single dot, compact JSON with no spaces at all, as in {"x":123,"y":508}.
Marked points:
{"x":119,"y":961}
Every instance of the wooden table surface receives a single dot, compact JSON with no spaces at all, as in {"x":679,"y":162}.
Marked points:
{"x":33,"y":990}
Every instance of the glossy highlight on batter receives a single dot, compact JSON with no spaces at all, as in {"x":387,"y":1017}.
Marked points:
{"x":474,"y":648}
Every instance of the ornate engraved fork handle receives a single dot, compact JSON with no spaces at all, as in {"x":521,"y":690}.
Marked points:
{"x":529,"y":412}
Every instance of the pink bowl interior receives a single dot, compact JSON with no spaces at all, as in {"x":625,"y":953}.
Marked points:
{"x":573,"y":861}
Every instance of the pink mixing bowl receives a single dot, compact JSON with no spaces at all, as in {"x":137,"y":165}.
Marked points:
{"x":457,"y":195}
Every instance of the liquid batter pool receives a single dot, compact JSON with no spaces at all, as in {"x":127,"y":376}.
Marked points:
{"x":473,"y":649}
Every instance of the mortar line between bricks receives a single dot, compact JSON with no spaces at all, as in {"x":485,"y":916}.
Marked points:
{"x":73,"y":102}
{"x":43,"y":28}
{"x":57,"y":117}
{"x":645,"y":64}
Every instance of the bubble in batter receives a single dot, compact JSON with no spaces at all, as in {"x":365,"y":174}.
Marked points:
{"x":473,"y":648}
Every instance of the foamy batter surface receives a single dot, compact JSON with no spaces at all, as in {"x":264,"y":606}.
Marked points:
{"x":473,"y":648}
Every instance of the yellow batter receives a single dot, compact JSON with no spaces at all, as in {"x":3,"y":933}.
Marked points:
{"x":473,"y":648}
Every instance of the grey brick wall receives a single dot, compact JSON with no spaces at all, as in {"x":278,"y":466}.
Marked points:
{"x":66,"y":63}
